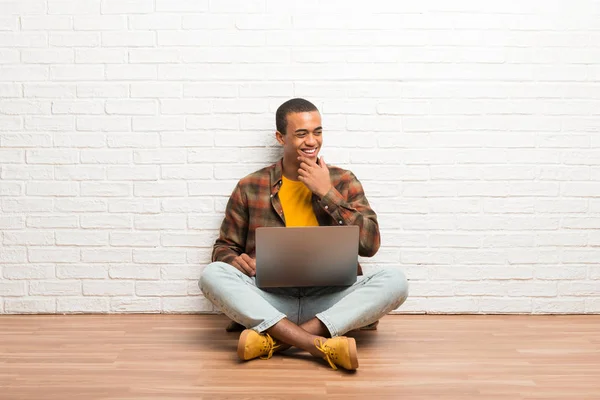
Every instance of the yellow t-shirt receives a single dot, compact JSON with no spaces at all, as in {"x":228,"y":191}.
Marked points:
{"x":295,"y":200}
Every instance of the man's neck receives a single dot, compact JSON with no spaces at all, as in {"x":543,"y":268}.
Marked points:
{"x":290,"y":169}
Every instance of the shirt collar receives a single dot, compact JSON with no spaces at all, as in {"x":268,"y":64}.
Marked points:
{"x":276,"y":174}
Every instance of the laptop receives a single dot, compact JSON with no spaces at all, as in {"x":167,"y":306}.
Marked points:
{"x":306,"y":256}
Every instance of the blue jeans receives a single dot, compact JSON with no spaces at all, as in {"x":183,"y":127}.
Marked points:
{"x":341,"y":309}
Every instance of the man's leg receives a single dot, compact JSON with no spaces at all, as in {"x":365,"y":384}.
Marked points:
{"x":341,"y":310}
{"x":237,"y":296}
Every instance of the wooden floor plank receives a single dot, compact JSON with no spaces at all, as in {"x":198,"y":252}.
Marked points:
{"x":146,"y":357}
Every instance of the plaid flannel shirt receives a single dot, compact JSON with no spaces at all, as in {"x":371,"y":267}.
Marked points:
{"x":255,"y":203}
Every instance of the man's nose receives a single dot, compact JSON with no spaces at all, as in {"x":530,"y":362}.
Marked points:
{"x":310,"y":139}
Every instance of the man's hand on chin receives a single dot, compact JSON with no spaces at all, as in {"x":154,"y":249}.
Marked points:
{"x":315,"y":175}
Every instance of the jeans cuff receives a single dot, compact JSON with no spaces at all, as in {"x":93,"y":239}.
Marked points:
{"x":330,"y":327}
{"x":267,"y":324}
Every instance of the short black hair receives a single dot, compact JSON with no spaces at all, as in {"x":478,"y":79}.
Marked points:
{"x":291,"y":106}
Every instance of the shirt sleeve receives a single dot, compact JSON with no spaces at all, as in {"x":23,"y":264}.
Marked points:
{"x":348,"y":205}
{"x":234,"y":228}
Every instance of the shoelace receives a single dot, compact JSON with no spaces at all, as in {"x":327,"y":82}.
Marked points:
{"x":270,"y":347}
{"x":328,"y":351}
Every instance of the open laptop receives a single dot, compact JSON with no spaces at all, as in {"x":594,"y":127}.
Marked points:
{"x":306,"y":256}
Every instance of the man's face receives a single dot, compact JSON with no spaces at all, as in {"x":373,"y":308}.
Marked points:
{"x":304,"y":134}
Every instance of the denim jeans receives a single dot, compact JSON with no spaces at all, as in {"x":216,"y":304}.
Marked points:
{"x":341,"y":309}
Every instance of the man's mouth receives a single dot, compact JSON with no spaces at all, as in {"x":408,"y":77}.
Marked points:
{"x":309,"y":152}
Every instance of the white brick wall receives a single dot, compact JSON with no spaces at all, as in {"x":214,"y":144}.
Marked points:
{"x":474,"y":127}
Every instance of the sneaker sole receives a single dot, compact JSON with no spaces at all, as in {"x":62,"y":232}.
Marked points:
{"x":242,"y":345}
{"x":353,"y":354}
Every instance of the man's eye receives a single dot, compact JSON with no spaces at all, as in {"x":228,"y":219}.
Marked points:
{"x":318,"y":133}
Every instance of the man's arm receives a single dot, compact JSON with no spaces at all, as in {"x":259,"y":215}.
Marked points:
{"x":234,"y":229}
{"x":354,"y":209}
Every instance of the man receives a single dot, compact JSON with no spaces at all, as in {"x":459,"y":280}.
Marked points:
{"x":299,"y":190}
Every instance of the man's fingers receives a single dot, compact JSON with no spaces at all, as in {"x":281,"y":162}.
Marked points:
{"x":243,"y":266}
{"x":249,"y":261}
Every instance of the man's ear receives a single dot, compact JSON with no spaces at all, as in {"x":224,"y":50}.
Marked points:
{"x":279,"y":137}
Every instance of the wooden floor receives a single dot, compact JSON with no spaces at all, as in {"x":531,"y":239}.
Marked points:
{"x":192,"y":357}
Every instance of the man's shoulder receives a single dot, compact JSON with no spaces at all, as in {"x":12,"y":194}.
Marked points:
{"x":258,"y":177}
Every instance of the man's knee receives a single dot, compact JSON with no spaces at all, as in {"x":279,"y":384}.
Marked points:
{"x":211,"y":274}
{"x":396,"y":283}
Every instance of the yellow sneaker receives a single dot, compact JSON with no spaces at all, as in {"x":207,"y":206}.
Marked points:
{"x":253,"y":344}
{"x":339,"y":350}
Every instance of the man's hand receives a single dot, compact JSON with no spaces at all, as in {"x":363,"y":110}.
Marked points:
{"x":245,"y":263}
{"x":314,"y":176}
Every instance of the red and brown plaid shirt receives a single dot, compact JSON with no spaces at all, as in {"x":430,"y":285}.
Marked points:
{"x":255,"y":203}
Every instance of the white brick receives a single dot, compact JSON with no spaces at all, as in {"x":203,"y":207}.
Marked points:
{"x":136,"y":206}
{"x":11,"y":90}
{"x":100,"y":56}
{"x":581,"y":256}
{"x":156,"y":90}
{"x":227,"y":155}
{"x":182,"y":5}
{"x":79,"y":140}
{"x":181,"y":72}
{"x":9,"y":23}
{"x":13,"y":289}
{"x":52,"y":188}
{"x":105,"y":221}
{"x":164,"y":156}
{"x":108,"y":288}
{"x":78,"y":72}
{"x":181,"y":139}
{"x":13,"y":255}
{"x":158,"y":123}
{"x":580,"y":189}
{"x":51,"y":91}
{"x":158,"y":21}
{"x":105,"y":255}
{"x":580,"y":223}
{"x":81,"y":238}
{"x":11,"y":123}
{"x":159,"y":222}
{"x":28,"y":238}
{"x":74,"y":39}
{"x":188,"y":205}
{"x":10,"y":73}
{"x":30,"y":306}
{"x":73,"y":7}
{"x":23,"y":39}
{"x":210,"y":90}
{"x":134,"y":140}
{"x":82,"y":305}
{"x":9,"y":57}
{"x":10,"y":189}
{"x":52,"y":156}
{"x":561,"y":239}
{"x":130,"y":72}
{"x":205,"y":222}
{"x":185,"y":106}
{"x":55,"y":288}
{"x":46,"y":22}
{"x":12,"y":156}
{"x":137,"y":239}
{"x":29,"y":271}
{"x":26,"y":172}
{"x":135,"y":305}
{"x":127,"y":6}
{"x":105,"y":189}
{"x":208,"y":188}
{"x":79,"y":172}
{"x":133,"y":173}
{"x":26,"y":140}
{"x":80,"y":205}
{"x":111,"y":156}
{"x":128,"y":39}
{"x":100,"y":90}
{"x":179,"y":305}
{"x":559,"y":306}
{"x":138,"y":272}
{"x":104,"y":124}
{"x":100,"y":23}
{"x":592,"y":305}
{"x":52,"y":222}
{"x":500,"y":305}
{"x":148,"y":256}
{"x":192,"y":272}
{"x":54,"y":56}
{"x":12,"y":222}
{"x":204,"y":239}
{"x":562,"y":273}
{"x":162,"y":288}
{"x":55,"y":255}
{"x":131,"y":107}
{"x":458,"y":305}
{"x":81,"y":271}
{"x":54,"y":123}
{"x":154,"y":56}
{"x":160,"y":189}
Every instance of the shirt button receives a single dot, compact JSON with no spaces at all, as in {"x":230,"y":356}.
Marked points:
{"x":271,"y":196}
{"x":340,"y":222}
{"x":327,"y":207}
